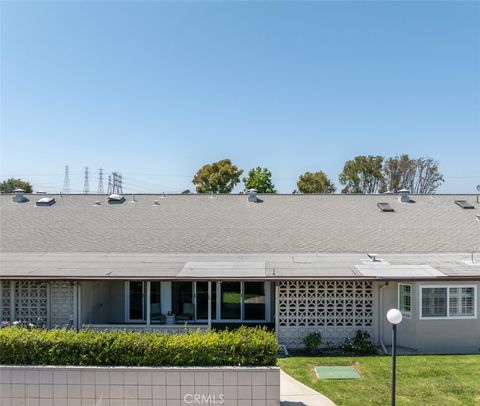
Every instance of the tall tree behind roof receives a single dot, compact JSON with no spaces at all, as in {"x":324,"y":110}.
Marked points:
{"x":259,"y":179}
{"x":217,"y":177}
{"x":315,"y":182}
{"x":420,"y":176}
{"x":362,"y":174}
{"x":9,"y":185}
{"x":427,"y":177}
{"x":398,"y":172}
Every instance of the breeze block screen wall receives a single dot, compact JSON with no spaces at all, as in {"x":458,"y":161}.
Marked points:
{"x":47,"y":303}
{"x":336,"y":309}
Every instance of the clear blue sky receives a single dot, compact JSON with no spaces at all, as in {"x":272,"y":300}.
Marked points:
{"x":156,"y":90}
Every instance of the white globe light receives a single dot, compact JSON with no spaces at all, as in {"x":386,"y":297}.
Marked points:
{"x":394,"y":316}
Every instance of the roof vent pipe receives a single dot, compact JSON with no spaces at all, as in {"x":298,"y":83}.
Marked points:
{"x":404,"y":195}
{"x":18,"y":196}
{"x":252,"y":195}
{"x":373,"y":257}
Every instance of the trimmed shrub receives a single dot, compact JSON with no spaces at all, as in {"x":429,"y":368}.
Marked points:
{"x":361,"y":344}
{"x":312,"y":342}
{"x":245,"y":346}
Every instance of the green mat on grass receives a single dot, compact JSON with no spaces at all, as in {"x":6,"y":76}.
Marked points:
{"x":335,"y":372}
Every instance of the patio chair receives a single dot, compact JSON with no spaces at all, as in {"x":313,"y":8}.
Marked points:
{"x":156,"y":314}
{"x":187,"y":313}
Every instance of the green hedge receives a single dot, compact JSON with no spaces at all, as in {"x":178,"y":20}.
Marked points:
{"x":245,"y":346}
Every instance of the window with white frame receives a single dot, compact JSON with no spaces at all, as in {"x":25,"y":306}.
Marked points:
{"x":405,"y":300}
{"x":448,"y":302}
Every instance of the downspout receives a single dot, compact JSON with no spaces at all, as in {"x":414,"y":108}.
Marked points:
{"x":380,"y":336}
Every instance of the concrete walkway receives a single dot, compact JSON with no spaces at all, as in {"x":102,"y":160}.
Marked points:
{"x":294,"y":393}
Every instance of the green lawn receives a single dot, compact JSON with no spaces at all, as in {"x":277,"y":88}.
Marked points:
{"x":421,"y":380}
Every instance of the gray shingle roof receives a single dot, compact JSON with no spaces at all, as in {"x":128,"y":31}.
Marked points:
{"x":230,"y":224}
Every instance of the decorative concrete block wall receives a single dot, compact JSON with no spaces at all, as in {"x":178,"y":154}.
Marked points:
{"x":115,"y":386}
{"x":50,"y":303}
{"x":61,"y":304}
{"x":336,"y":309}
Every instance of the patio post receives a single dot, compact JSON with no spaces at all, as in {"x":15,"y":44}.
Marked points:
{"x":49,"y":305}
{"x":209,"y":305}
{"x":394,"y":316}
{"x":149,"y":313}
{"x":76,"y":304}
{"x":12,"y":301}
{"x":277,"y":304}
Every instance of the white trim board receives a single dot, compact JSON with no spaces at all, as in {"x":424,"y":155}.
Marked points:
{"x":212,"y":269}
{"x":399,"y":271}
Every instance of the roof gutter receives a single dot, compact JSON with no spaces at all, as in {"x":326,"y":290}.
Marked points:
{"x":263,"y":278}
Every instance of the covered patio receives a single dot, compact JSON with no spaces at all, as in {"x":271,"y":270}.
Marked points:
{"x":173,"y":304}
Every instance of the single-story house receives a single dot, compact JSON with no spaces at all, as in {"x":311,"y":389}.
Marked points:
{"x":332,"y":264}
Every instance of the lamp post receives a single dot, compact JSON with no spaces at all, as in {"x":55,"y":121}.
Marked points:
{"x":394,"y":316}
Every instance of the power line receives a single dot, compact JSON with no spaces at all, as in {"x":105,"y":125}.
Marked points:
{"x":141,"y":184}
{"x":183,"y":176}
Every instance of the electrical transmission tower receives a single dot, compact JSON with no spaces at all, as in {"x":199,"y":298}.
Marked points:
{"x":100,"y":190}
{"x":86,"y":185}
{"x":115,"y":183}
{"x":66,"y":181}
{"x":120,"y":184}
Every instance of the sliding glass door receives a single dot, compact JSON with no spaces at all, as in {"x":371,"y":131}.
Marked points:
{"x":156,"y":315}
{"x":182,"y":301}
{"x":243,"y":301}
{"x":188,"y":301}
{"x":202,"y":301}
{"x":254,"y":301}
{"x":135,"y":301}
{"x":231,"y":294}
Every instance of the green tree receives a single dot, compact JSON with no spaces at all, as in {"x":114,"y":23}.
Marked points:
{"x":259,"y":179}
{"x":398,"y":173}
{"x":420,"y":176}
{"x":9,"y":185}
{"x":363,"y":174}
{"x":217,"y":177}
{"x":315,"y":182}
{"x":427,"y":177}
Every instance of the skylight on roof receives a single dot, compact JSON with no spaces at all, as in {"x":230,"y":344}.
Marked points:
{"x":464,"y":204}
{"x":45,"y":201}
{"x":116,"y":199}
{"x":385,"y":207}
